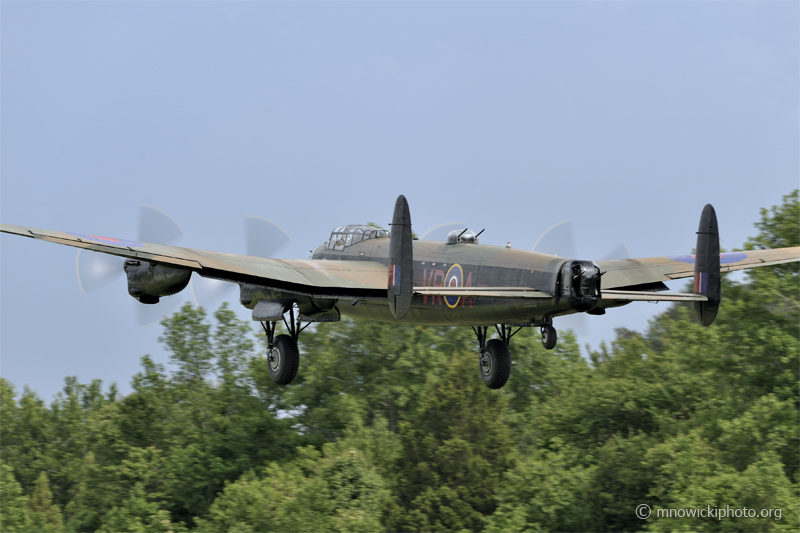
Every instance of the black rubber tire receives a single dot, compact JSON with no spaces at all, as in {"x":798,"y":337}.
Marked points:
{"x":284,"y":360}
{"x":494,"y":364}
{"x":549,"y":337}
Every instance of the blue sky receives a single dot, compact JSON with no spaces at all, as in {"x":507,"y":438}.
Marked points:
{"x":624,"y":117}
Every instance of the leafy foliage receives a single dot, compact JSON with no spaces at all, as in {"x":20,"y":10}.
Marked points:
{"x":13,"y":504}
{"x":455,"y":449}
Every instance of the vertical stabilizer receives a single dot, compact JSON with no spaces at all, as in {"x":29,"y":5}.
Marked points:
{"x":401,"y":260}
{"x":707,"y":279}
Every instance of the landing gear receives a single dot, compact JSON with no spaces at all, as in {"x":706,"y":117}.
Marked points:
{"x":283,"y":357}
{"x":495,"y":364}
{"x":494,"y":359}
{"x":549,"y":336}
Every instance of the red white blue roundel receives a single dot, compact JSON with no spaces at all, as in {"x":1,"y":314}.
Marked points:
{"x":453,"y":278}
{"x":108,"y":240}
{"x":724,"y":258}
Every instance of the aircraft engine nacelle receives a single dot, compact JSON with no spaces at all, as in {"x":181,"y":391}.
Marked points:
{"x":579,"y":283}
{"x":147,"y":282}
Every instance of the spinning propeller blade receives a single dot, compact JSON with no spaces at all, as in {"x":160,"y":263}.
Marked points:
{"x":439,"y":233}
{"x":559,"y":239}
{"x":620,"y":252}
{"x":95,"y":270}
{"x":263,"y":238}
{"x":157,"y":227}
{"x":151,"y":314}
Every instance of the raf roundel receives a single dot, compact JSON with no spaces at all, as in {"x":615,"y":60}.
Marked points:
{"x":724,"y":258}
{"x":109,"y":240}
{"x":454,"y":278}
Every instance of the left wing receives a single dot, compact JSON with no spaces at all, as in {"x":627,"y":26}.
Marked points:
{"x":322,"y":279}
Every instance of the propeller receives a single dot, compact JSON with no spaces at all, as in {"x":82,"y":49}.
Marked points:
{"x":439,"y":233}
{"x":263,"y":238}
{"x":96,"y":270}
{"x":559,"y":239}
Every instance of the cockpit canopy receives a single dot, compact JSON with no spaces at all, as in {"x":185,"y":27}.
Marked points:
{"x":349,"y":235}
{"x":458,"y":235}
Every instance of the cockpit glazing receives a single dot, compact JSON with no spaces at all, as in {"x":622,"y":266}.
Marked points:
{"x":344,"y":236}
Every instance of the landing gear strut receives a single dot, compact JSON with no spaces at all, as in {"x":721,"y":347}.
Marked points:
{"x":549,"y":336}
{"x":494,"y":359}
{"x":283,"y":357}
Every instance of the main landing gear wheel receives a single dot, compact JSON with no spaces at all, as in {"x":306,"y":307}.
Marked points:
{"x":494,"y":359}
{"x":549,"y":337}
{"x":495,"y":364}
{"x":283,"y":357}
{"x":283,"y":360}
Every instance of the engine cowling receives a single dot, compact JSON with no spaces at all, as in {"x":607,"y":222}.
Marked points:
{"x":147,"y":282}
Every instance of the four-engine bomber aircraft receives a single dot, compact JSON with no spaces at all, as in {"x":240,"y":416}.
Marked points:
{"x":388,"y":276}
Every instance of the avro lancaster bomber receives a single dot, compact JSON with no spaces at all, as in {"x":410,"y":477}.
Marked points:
{"x":377,"y":274}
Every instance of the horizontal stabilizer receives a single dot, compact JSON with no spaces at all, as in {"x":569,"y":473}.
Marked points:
{"x":653,"y":296}
{"x":486,"y":292}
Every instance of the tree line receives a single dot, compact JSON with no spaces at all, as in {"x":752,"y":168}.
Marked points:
{"x":389,"y":428}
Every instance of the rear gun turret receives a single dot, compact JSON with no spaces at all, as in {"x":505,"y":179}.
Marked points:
{"x":579,"y":283}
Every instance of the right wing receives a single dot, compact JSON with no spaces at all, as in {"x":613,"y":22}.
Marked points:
{"x":321,"y":279}
{"x":621,"y":273}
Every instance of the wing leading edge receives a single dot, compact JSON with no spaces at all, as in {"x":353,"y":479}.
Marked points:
{"x":323,"y":279}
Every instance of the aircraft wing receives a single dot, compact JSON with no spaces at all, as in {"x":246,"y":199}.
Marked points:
{"x":632,"y":272}
{"x":323,"y":279}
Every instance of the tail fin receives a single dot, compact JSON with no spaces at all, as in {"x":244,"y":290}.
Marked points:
{"x":707,"y":279}
{"x":401,"y":260}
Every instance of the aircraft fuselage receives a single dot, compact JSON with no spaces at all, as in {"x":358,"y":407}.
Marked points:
{"x":438,"y":264}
